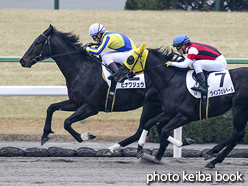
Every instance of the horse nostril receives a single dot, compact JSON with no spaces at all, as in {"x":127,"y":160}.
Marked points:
{"x":22,"y":62}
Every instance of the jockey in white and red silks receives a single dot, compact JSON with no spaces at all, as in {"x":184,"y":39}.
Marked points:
{"x":200,"y":56}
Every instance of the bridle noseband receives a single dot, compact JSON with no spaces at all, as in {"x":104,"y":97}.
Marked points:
{"x":40,"y":57}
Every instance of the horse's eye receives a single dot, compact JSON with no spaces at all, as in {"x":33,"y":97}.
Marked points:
{"x":36,"y":42}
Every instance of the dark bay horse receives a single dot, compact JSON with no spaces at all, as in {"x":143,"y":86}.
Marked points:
{"x":180,"y":107}
{"x":86,"y":88}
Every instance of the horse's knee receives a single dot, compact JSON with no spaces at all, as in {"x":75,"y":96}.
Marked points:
{"x":165,"y":132}
{"x":51,"y":108}
{"x":67,"y":125}
{"x":163,"y":137}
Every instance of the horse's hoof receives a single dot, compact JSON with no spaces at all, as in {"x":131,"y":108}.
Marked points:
{"x":210,"y":166}
{"x":188,"y":141}
{"x":157,"y":161}
{"x":151,"y":159}
{"x":107,"y":152}
{"x":207,"y":157}
{"x":44,"y":140}
{"x":91,"y":136}
{"x":140,"y":154}
{"x":86,"y":137}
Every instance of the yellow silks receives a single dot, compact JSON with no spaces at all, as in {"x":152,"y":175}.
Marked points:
{"x":136,"y":63}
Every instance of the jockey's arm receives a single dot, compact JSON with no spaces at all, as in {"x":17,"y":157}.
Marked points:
{"x":101,"y":48}
{"x":183,"y":64}
{"x":188,"y":61}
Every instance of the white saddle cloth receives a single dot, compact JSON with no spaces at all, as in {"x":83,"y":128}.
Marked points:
{"x":219,"y":83}
{"x":137,"y":81}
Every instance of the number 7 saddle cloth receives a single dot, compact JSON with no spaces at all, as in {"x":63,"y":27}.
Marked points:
{"x":219,"y":83}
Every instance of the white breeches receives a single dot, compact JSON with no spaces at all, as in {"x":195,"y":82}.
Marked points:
{"x":114,"y":56}
{"x":218,"y":64}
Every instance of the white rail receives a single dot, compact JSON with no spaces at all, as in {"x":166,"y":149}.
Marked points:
{"x":62,"y":91}
{"x":33,"y":91}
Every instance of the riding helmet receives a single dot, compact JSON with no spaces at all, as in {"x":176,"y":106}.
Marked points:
{"x":180,"y":40}
{"x":95,"y":29}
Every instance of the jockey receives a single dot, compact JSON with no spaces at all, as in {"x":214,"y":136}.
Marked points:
{"x":121,"y":45}
{"x":200,"y":56}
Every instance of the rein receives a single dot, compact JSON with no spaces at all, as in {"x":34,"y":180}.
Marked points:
{"x":40,"y":57}
{"x":47,"y":42}
{"x":145,"y":70}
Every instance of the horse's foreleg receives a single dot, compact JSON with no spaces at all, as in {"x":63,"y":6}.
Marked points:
{"x":178,"y":121}
{"x":64,"y":106}
{"x":162,"y":118}
{"x":81,"y":113}
{"x":118,"y":146}
{"x":151,"y":108}
{"x":162,"y":147}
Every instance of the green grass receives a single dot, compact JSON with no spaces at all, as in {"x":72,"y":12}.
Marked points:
{"x":18,"y":28}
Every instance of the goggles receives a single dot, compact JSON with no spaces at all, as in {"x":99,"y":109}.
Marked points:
{"x":94,"y":37}
{"x":178,"y":47}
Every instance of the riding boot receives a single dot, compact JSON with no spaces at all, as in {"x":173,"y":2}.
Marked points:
{"x":202,"y":83}
{"x":113,"y":67}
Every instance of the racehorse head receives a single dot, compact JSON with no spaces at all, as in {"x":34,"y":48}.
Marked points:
{"x":38,"y":49}
{"x":136,"y":62}
{"x":133,"y":65}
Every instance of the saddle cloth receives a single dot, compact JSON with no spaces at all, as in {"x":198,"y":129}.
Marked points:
{"x":137,"y":81}
{"x":219,"y":83}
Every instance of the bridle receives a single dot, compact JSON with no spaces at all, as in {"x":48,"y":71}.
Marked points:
{"x":40,"y":57}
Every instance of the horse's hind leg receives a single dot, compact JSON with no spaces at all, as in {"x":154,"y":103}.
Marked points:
{"x":151,"y":108}
{"x":239,"y":122}
{"x":64,"y":106}
{"x":217,"y":148}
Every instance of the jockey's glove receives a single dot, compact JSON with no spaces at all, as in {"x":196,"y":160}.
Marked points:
{"x":83,"y":48}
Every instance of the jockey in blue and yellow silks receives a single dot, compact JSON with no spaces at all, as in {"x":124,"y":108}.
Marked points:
{"x":121,"y":46}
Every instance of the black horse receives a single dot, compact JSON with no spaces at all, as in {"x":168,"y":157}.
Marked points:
{"x":181,"y":107}
{"x":86,"y":88}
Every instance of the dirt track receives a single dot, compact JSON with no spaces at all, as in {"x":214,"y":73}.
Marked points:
{"x":124,"y":171}
{"x":111,"y":171}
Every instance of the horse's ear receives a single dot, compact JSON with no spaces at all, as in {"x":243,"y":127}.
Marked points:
{"x":50,"y":27}
{"x":48,"y":31}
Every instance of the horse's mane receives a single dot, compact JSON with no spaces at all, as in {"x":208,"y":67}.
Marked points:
{"x":69,"y":38}
{"x":166,"y":53}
